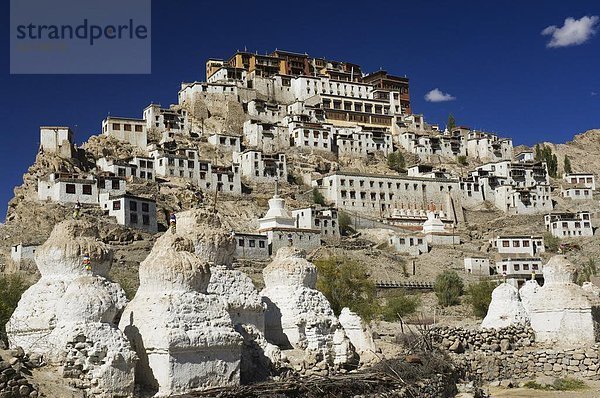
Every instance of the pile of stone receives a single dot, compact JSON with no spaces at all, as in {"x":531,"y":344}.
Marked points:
{"x":13,"y":371}
{"x":459,"y":340}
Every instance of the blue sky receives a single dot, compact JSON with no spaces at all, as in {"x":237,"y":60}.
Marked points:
{"x":490,"y":56}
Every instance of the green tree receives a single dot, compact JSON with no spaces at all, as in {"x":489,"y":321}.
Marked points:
{"x":451,"y":125}
{"x":448,"y":288}
{"x":587,"y":271}
{"x":479,"y":295}
{"x":567,"y":165}
{"x":345,"y":223}
{"x":462,"y":160}
{"x":11,"y":288}
{"x":398,"y":306}
{"x":396,"y":162}
{"x":544,"y":154}
{"x":345,"y":284}
{"x":318,"y":197}
{"x":551,"y":243}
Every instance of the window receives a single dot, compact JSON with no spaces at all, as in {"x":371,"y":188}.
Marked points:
{"x":516,"y":243}
{"x":133,"y":218}
{"x":517,"y":267}
{"x":261,"y":244}
{"x":116,"y":205}
{"x":121,"y":172}
{"x":87,"y":189}
{"x":146,"y":219}
{"x":70,"y":188}
{"x":252,"y":243}
{"x":101,"y":184}
{"x":133,"y":205}
{"x":127,"y":127}
{"x":525,"y":243}
{"x":115,"y":184}
{"x":145,"y":207}
{"x":505,"y":243}
{"x":116,"y":126}
{"x":241,"y":242}
{"x":138,"y":129}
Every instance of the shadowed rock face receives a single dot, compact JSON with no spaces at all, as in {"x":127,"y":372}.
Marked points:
{"x":72,"y":305}
{"x":184,"y":337}
{"x":298,"y":315}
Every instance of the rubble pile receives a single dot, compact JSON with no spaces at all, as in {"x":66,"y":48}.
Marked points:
{"x":13,"y":374}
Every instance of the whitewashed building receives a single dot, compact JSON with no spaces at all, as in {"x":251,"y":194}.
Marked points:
{"x":259,"y":166}
{"x":131,"y":211}
{"x":265,"y":136}
{"x":362,"y":141}
{"x":310,"y":135}
{"x":129,"y":130}
{"x":119,"y":168}
{"x":488,"y":147}
{"x":588,"y":180}
{"x":413,"y":245}
{"x":519,"y":244}
{"x":166,"y":119}
{"x":379,"y":194}
{"x":519,"y":267}
{"x":228,"y":142}
{"x":144,"y":167}
{"x":57,"y":139}
{"x":68,"y":188}
{"x":279,"y":226}
{"x":566,"y":225}
{"x":317,"y":217}
{"x":478,"y":266}
{"x":21,"y":252}
{"x":576,"y":191}
{"x":182,"y":162}
{"x":251,"y":246}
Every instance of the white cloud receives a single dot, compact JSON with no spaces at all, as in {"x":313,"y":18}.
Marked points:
{"x":436,"y":95}
{"x":572,"y":33}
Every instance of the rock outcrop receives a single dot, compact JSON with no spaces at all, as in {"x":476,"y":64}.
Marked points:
{"x":74,"y":306}
{"x":184,"y":336}
{"x":505,"y":308}
{"x":299,"y":316}
{"x":561,"y":311}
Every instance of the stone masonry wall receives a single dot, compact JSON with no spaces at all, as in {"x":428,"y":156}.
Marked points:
{"x":510,"y":353}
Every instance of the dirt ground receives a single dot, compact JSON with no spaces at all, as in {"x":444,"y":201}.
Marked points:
{"x":593,"y":391}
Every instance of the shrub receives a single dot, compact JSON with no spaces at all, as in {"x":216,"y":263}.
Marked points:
{"x":480,"y":296}
{"x":462,"y":160}
{"x":552,"y":243}
{"x":448,"y":288}
{"x":587,"y":271}
{"x":561,"y":384}
{"x":11,"y":288}
{"x":396,"y":162}
{"x":398,"y":306}
{"x":345,"y":284}
{"x":345,"y":223}
{"x":318,"y":197}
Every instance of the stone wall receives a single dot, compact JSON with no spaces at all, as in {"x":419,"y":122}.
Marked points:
{"x":510,"y":353}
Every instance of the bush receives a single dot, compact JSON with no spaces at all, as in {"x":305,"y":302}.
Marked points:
{"x":587,"y":271}
{"x":552,"y":243}
{"x":448,"y":288}
{"x":11,"y":289}
{"x":396,"y":162}
{"x":480,"y":296}
{"x":399,"y":306}
{"x":462,"y":160}
{"x":561,"y":384}
{"x":345,"y":223}
{"x":345,"y":284}
{"x":318,"y":197}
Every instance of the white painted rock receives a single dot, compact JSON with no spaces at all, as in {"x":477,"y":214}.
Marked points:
{"x":358,"y":332}
{"x":528,"y":293}
{"x":70,"y":304}
{"x":183,"y":336}
{"x":297,"y":315}
{"x":505,"y":308}
{"x":561,"y":312}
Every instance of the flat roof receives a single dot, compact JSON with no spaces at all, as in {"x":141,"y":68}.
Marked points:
{"x":396,"y":177}
{"x":132,"y":119}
